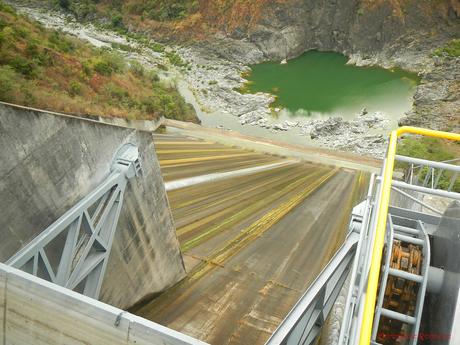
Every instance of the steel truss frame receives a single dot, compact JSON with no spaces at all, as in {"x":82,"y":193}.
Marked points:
{"x":83,"y":235}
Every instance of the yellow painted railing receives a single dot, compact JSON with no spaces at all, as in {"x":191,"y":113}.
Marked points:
{"x":374,"y":272}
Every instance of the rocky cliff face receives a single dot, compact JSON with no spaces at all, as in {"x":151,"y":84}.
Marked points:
{"x":437,"y":99}
{"x":383,"y":32}
{"x":370,"y":28}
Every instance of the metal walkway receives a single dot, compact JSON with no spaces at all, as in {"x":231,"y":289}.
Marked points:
{"x":380,"y":226}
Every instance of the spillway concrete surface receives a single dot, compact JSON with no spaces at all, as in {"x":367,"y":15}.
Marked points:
{"x":252,"y":243}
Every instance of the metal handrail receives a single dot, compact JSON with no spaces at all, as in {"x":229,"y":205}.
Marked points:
{"x":374,"y":271}
{"x":431,"y":176}
{"x":454,"y":160}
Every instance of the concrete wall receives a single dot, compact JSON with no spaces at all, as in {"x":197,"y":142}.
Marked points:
{"x":50,"y":161}
{"x":33,"y":311}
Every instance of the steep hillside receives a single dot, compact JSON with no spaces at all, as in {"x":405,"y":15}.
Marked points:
{"x":420,"y":36}
{"x":402,"y":33}
{"x":280,"y":28}
{"x":47,"y":69}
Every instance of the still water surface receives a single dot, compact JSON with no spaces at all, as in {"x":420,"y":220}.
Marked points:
{"x":319,"y":84}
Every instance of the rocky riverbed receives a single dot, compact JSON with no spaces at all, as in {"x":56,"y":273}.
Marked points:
{"x":214,"y":75}
{"x":215,"y":81}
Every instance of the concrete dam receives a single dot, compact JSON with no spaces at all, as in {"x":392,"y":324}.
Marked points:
{"x":129,"y":232}
{"x":251,"y":244}
{"x":219,"y":252}
{"x":51,"y":161}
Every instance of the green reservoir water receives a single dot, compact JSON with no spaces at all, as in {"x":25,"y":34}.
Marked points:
{"x":321,"y":84}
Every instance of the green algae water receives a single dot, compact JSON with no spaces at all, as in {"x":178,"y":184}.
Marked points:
{"x":322,"y":84}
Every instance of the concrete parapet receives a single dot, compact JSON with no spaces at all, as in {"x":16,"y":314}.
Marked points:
{"x":38,"y":312}
{"x":51,"y":161}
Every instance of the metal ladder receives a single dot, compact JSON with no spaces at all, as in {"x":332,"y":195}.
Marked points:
{"x":412,"y":232}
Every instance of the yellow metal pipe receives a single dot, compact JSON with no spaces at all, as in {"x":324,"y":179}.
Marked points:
{"x":374,"y":271}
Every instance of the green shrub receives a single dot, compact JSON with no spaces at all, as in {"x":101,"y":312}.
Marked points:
{"x":162,"y":67}
{"x":108,"y":63}
{"x":3,"y":24}
{"x":452,"y":49}
{"x":153,"y":76}
{"x":166,"y":105}
{"x":60,"y":42}
{"x":87,"y":68}
{"x":6,"y":8}
{"x":45,"y":57}
{"x":83,"y":8}
{"x":103,"y":67}
{"x":117,"y":21}
{"x":136,"y":68}
{"x":21,"y":32}
{"x":27,"y":95}
{"x":175,"y":59}
{"x":124,"y":47}
{"x":24,"y":66}
{"x":32,"y":49}
{"x":157,"y":47}
{"x":75,"y":88}
{"x":65,"y":4}
{"x":7,"y":36}
{"x":426,"y":148}
{"x":150,"y":105}
{"x":8,"y":79}
{"x":115,"y":92}
{"x":114,"y":60}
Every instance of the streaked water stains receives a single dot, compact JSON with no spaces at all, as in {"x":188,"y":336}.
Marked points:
{"x":252,"y":244}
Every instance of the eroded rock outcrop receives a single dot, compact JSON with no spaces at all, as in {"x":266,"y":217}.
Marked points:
{"x":386,"y":33}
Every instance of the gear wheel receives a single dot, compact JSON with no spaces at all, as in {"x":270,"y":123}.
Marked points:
{"x":400,"y":294}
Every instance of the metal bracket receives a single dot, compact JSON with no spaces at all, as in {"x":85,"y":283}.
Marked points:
{"x":126,"y":159}
{"x":73,"y":251}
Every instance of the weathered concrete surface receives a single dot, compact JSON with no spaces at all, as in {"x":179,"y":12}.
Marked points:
{"x":2,"y":304}
{"x":252,"y":244}
{"x":41,"y":313}
{"x":51,"y":161}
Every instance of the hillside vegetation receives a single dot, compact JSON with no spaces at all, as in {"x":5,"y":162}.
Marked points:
{"x":185,"y":19}
{"x":47,"y":69}
{"x":431,"y":149}
{"x":178,"y":19}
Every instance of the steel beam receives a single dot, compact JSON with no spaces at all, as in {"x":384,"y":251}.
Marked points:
{"x":432,"y":164}
{"x":89,"y":228}
{"x":438,"y":192}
